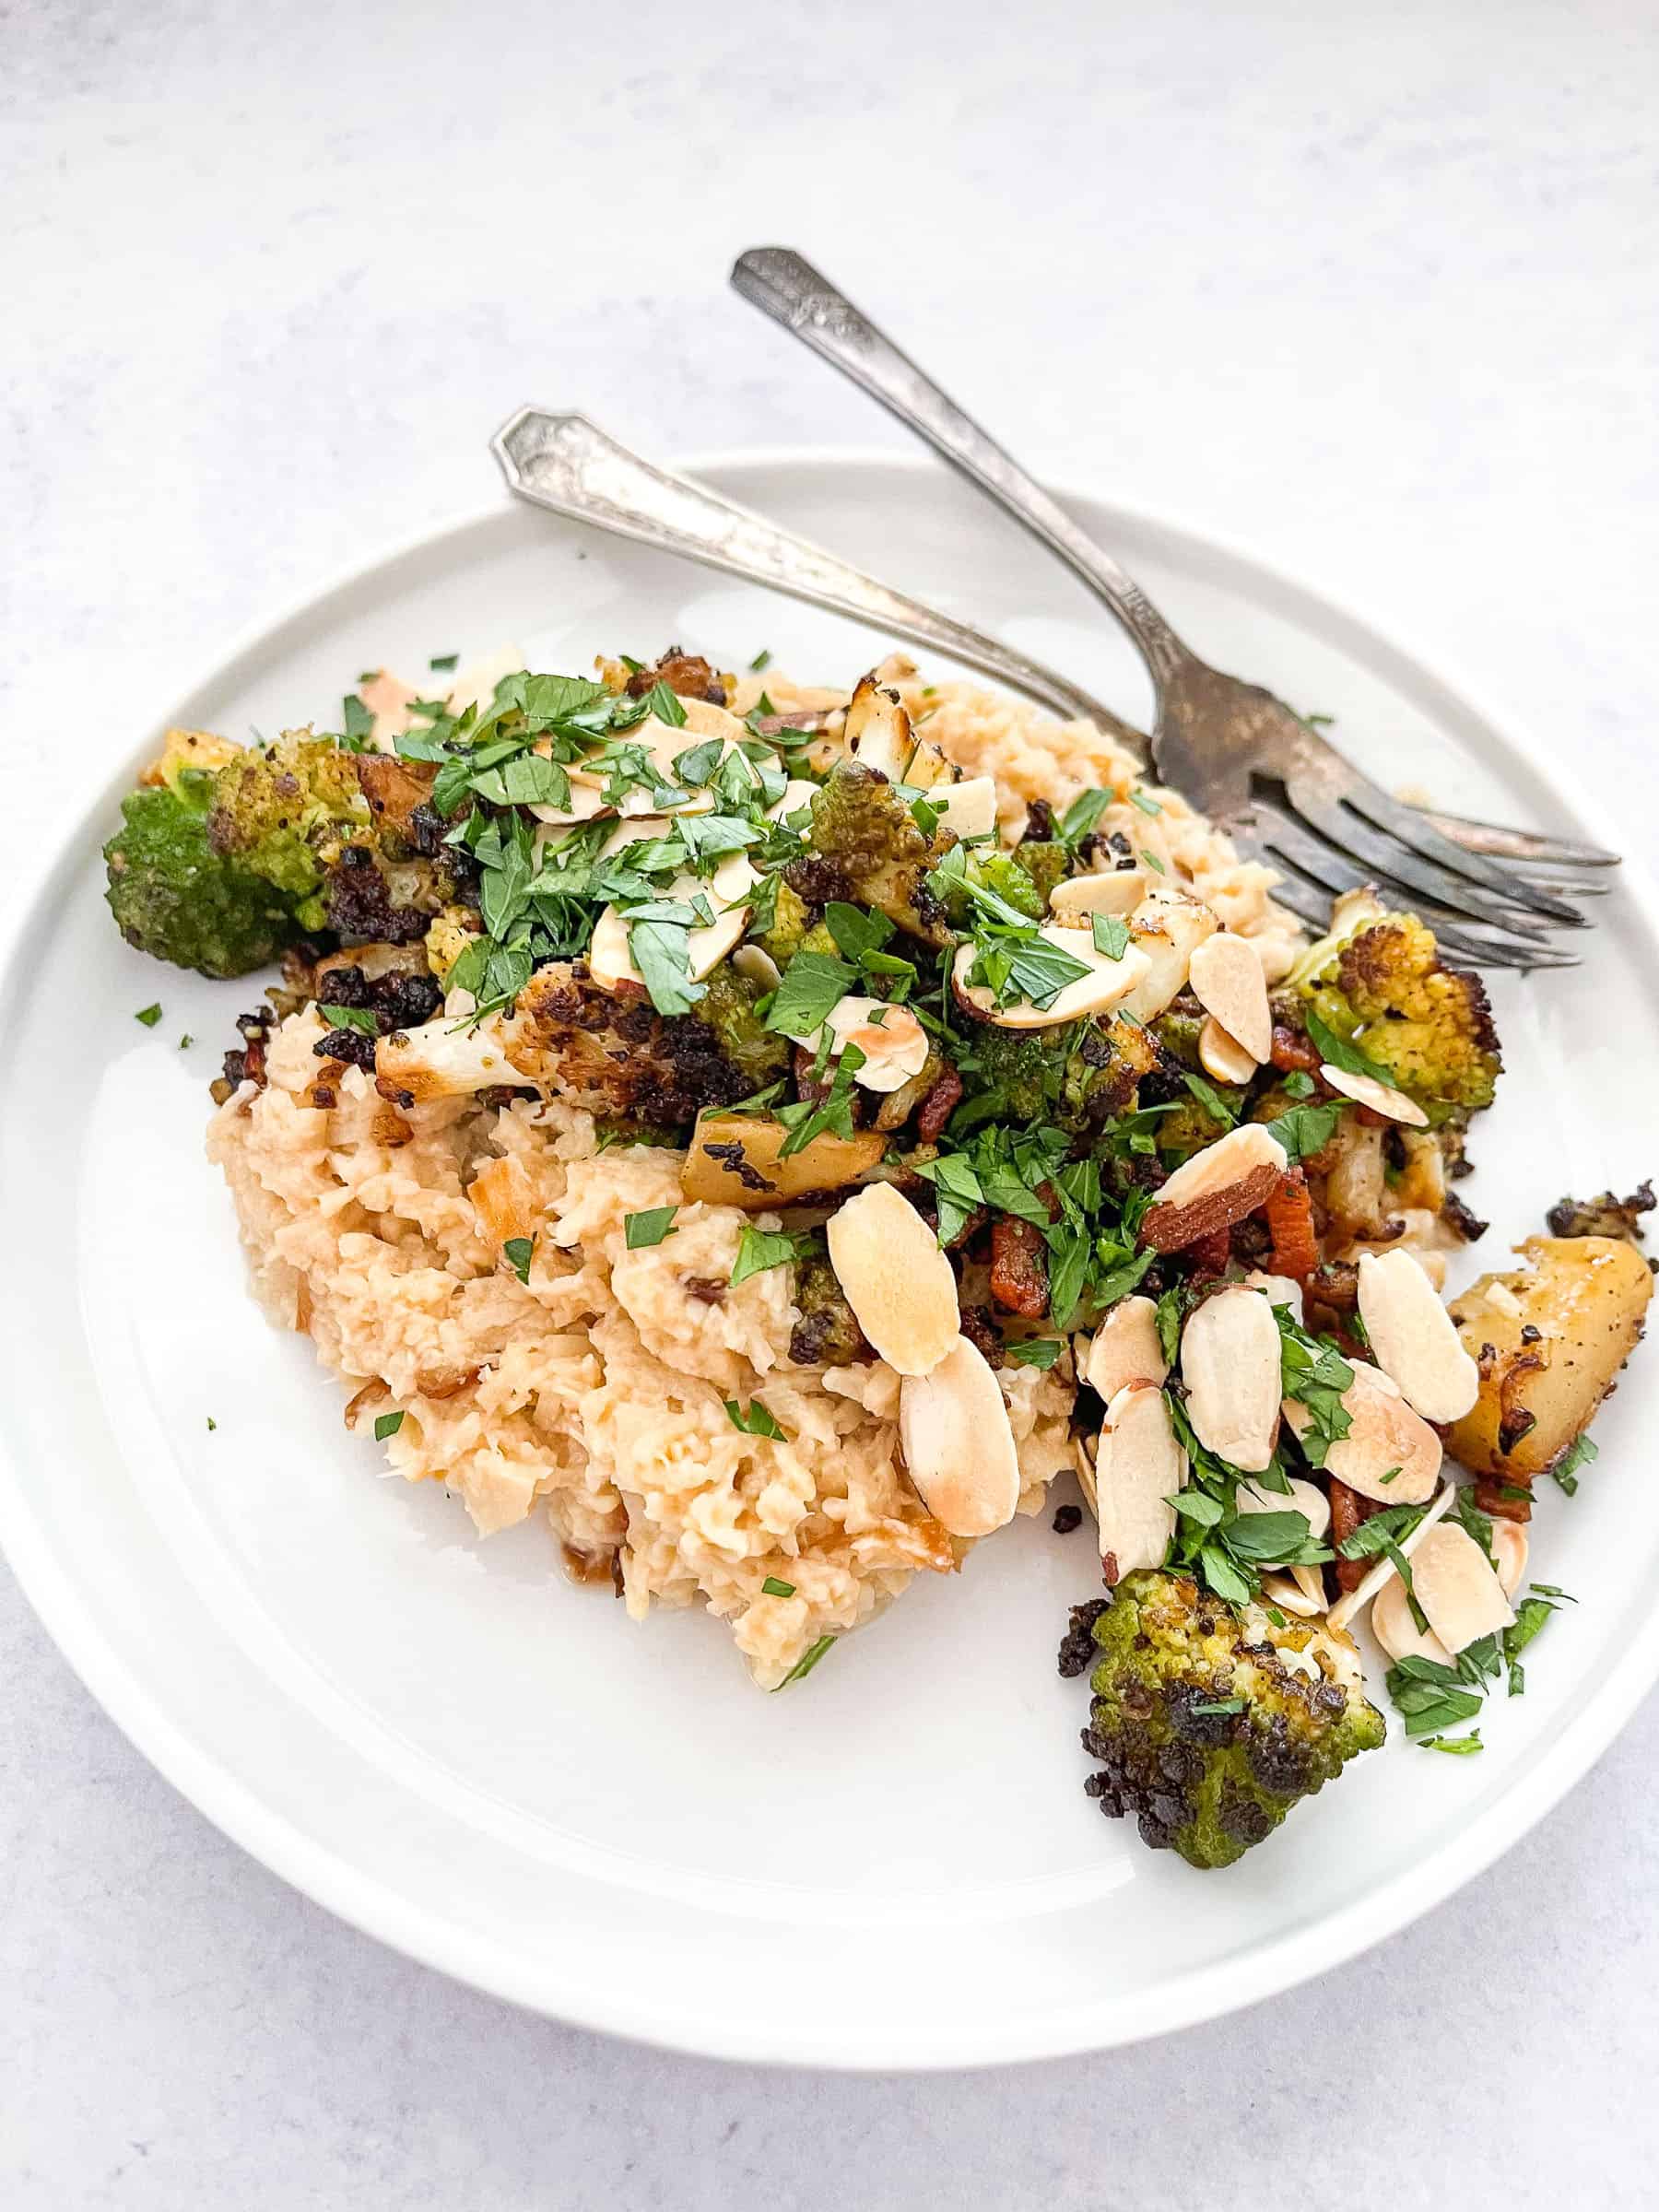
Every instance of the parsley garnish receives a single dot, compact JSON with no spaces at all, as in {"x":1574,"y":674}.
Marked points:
{"x":772,"y":1587}
{"x":443,"y":662}
{"x":1298,"y":1084}
{"x":762,"y":660}
{"x":759,"y":1249}
{"x":149,"y":1016}
{"x":807,"y":1662}
{"x":754,"y":1422}
{"x":1035,"y":1351}
{"x":1304,"y":1130}
{"x":642,"y":1230}
{"x":665,"y":704}
{"x":1081,"y":816}
{"x":1210,"y":1098}
{"x":350,"y":1018}
{"x":1111,"y":935}
{"x":1145,"y":801}
{"x":1579,"y":1453}
{"x":518,"y":1250}
{"x":1342,"y":1053}
{"x":385,"y":1424}
{"x":186,"y":1042}
{"x":814,"y":984}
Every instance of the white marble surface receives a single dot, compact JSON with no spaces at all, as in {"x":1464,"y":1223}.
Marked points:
{"x":1370,"y":287}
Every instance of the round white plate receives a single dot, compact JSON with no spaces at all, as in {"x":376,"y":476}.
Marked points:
{"x":893,"y":1863}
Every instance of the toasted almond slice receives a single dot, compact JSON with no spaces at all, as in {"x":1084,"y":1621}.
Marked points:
{"x":1138,"y":1468}
{"x":610,"y":959}
{"x":1389,"y":1453}
{"x":1382,"y":1098}
{"x":1168,"y":926}
{"x":1228,"y":980}
{"x":1452,"y":1580}
{"x":756,"y":966}
{"x":969,"y":808}
{"x":1349,"y":1603}
{"x":1510,"y":1548}
{"x":1310,"y":1580}
{"x":1281,"y":1290}
{"x":893,"y":1275}
{"x":662,"y":741}
{"x":438,"y":1059}
{"x":1117,"y":892}
{"x":878,"y":731}
{"x":1395,"y":1631}
{"x":1292,"y":1596}
{"x":1232,"y":1160}
{"x":1230,"y":1363}
{"x":1221,"y":1055}
{"x":958,"y":1448}
{"x":1304,"y":1498}
{"x":892,"y":1041}
{"x":1127,"y":1349}
{"x":1108,"y":982}
{"x":1414,"y":1338}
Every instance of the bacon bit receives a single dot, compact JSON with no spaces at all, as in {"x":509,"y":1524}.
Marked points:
{"x":939,"y":1104}
{"x":1290,"y":1213}
{"x":1211,"y":1254}
{"x":1347,"y":1510}
{"x":1495,"y":1495}
{"x":1292,"y":1050}
{"x":1018,"y":1268}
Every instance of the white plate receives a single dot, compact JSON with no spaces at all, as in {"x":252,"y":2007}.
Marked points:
{"x":892,"y":1864}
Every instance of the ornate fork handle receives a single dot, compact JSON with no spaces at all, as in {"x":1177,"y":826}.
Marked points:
{"x":792,"y":292}
{"x":568,"y":464}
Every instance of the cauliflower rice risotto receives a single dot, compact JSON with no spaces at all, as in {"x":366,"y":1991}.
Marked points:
{"x":774,"y":1132}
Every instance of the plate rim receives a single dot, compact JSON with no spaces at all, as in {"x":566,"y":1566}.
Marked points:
{"x":275,"y":1840}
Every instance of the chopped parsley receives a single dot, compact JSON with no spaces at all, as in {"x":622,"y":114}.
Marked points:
{"x":807,"y":1662}
{"x":1111,"y":935}
{"x":1304,"y":1130}
{"x":1341,"y":1052}
{"x":350,"y":1018}
{"x":519,"y":1251}
{"x":442,"y":662}
{"x":772,"y":1587}
{"x":1035,"y":1351}
{"x":762,"y":660}
{"x":149,"y":1016}
{"x":759,"y":1249}
{"x":642,"y":1230}
{"x":813,"y":984}
{"x":1579,"y":1453}
{"x":385,"y":1424}
{"x":756,"y":1421}
{"x":665,"y":704}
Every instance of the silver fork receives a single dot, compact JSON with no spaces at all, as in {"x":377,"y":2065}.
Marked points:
{"x":1245,"y":758}
{"x":569,"y":464}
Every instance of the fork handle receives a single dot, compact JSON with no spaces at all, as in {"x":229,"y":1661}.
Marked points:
{"x":788,"y":288}
{"x":570,"y":465}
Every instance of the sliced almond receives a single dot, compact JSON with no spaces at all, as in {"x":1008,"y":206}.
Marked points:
{"x":969,"y":808}
{"x":892,"y":1041}
{"x":1221,"y":1055}
{"x":1215,"y":1187}
{"x":1140,"y":1467}
{"x":1106,"y":985}
{"x":1509,"y":1549}
{"x":893,"y":1275}
{"x":1127,"y":1349}
{"x":610,"y":959}
{"x":1168,"y":926}
{"x":1389,"y":1453}
{"x":1350,"y":1602}
{"x":1230,"y":1363}
{"x":1452,"y":1580}
{"x":1412,"y":1336}
{"x":1397,"y":1633}
{"x":958,"y":1448}
{"x":756,"y":966}
{"x":1116,"y":892}
{"x":1382,"y":1098}
{"x":662,"y":742}
{"x":1290,"y":1596}
{"x":1281,"y":1290}
{"x":1228,"y":980}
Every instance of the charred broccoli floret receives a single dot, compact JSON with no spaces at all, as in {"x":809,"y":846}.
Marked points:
{"x":727,"y":1007}
{"x":1378,"y":981}
{"x":791,"y":919}
{"x":285,"y":812}
{"x":1210,"y":1722}
{"x":868,"y":848}
{"x":1077,"y":1077}
{"x":1046,"y":862}
{"x":827,"y":1335}
{"x":178,"y":899}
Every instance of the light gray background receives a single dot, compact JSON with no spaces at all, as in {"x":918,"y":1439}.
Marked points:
{"x":1370,"y":287}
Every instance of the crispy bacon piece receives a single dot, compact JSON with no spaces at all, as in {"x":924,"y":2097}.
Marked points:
{"x":938,"y":1106}
{"x":1018,"y":1268}
{"x":1290,"y":1213}
{"x":1347,"y":1510}
{"x":1505,"y":1498}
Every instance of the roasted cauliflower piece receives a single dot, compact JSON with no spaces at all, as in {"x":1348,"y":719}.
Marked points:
{"x":1210,"y":1721}
{"x":1378,"y":981}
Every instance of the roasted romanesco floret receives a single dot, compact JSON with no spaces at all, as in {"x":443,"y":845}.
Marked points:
{"x":1077,"y":1076}
{"x":1211,"y":1721}
{"x":727,"y":1009}
{"x":868,"y":848}
{"x":177,"y":899}
{"x":1379,"y":982}
{"x":284,"y":812}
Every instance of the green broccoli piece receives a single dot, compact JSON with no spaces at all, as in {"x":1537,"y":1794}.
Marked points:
{"x":1207,"y":1724}
{"x":1189,"y":1125}
{"x":792,"y":917}
{"x":727,"y":1007}
{"x":1378,"y":981}
{"x":1005,"y":874}
{"x":827,"y":1333}
{"x":1078,"y":1075}
{"x":1046,"y":862}
{"x":176,"y":898}
{"x":285,"y":811}
{"x":868,"y":848}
